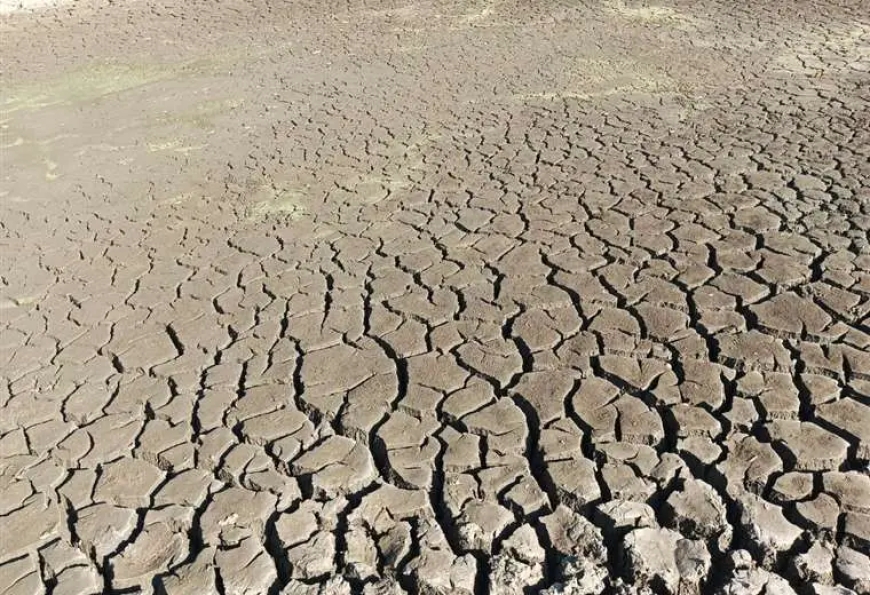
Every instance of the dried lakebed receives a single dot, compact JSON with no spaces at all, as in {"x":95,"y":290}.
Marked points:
{"x":438,"y":297}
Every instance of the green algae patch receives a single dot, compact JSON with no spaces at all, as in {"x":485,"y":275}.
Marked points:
{"x":83,"y":86}
{"x":601,"y":78}
{"x":202,"y":115}
{"x":279,"y":202}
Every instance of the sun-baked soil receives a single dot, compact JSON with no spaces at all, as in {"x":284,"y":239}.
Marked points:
{"x":436,"y":297}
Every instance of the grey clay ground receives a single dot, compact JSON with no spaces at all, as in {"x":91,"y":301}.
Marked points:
{"x":455,"y":297}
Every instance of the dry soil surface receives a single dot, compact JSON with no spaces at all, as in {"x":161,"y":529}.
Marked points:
{"x":437,"y":297}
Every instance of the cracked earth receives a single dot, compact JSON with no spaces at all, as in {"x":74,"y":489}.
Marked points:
{"x":440,"y":297}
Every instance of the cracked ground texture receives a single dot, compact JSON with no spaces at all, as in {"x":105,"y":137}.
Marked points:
{"x":438,"y":297}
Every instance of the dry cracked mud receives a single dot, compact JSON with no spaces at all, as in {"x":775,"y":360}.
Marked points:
{"x":435,"y":297}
